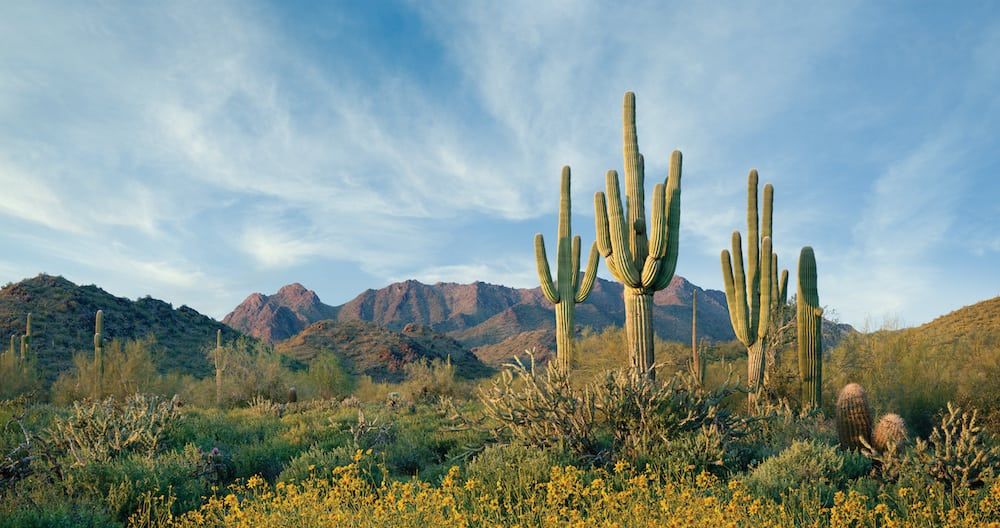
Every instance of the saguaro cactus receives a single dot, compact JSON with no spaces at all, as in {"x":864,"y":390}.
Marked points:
{"x":809,"y":321}
{"x":98,"y":352}
{"x":752,"y":295}
{"x":642,"y":260}
{"x":26,"y":340}
{"x":854,"y":417}
{"x":219,"y":367}
{"x":568,"y":290}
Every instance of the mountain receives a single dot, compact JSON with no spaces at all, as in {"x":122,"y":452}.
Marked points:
{"x":62,"y":323}
{"x":369,"y":348}
{"x":279,"y":316}
{"x":487,"y":318}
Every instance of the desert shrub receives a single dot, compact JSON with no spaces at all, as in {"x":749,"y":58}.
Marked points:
{"x":102,"y":430}
{"x":128,"y":368}
{"x":512,"y":472}
{"x":266,"y":458}
{"x":252,"y":369}
{"x":427,"y":382}
{"x":642,"y":413}
{"x":820,"y":466}
{"x":123,"y":484}
{"x":316,"y":461}
{"x":326,"y":378}
{"x":17,"y":377}
{"x":55,"y":513}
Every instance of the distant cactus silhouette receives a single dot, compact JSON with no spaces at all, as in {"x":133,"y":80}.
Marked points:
{"x":697,"y":359}
{"x":568,"y":290}
{"x":26,"y":340}
{"x":642,"y":256}
{"x":809,"y":320}
{"x":98,"y":352}
{"x":854,"y":417}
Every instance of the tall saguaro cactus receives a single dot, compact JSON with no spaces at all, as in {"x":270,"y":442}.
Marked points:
{"x":753,"y":294}
{"x":98,"y":352}
{"x":809,"y":322}
{"x":642,"y":259}
{"x":568,"y":290}
{"x":219,"y":367}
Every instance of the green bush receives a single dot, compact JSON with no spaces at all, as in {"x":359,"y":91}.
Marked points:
{"x":511,"y":472}
{"x":807,"y":464}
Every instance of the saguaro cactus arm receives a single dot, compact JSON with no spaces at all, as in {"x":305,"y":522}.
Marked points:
{"x":544,"y":274}
{"x":589,"y":276}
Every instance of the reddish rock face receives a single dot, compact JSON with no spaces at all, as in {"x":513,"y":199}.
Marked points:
{"x":277,"y":317}
{"x":489,"y":317}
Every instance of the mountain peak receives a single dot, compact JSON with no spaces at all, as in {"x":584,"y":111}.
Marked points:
{"x":281,"y":315}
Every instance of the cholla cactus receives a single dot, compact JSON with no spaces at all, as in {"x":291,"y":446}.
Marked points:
{"x":957,"y":453}
{"x":753,"y":294}
{"x":642,"y":258}
{"x":890,"y":433}
{"x":854,"y":417}
{"x":568,"y":290}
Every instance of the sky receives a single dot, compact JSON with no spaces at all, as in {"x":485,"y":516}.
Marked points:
{"x":201,"y":151}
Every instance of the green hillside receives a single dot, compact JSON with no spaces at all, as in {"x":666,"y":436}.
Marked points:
{"x":63,"y":324}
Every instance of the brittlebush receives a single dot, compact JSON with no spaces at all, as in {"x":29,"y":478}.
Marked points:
{"x":572,"y":497}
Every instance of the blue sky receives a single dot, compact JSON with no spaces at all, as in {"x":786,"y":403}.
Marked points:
{"x":200,"y":151}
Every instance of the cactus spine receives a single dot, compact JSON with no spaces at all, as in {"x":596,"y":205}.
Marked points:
{"x":753,"y":294}
{"x":809,"y":322}
{"x":98,"y":352}
{"x":568,"y":290}
{"x":854,"y":417}
{"x":643,"y":265}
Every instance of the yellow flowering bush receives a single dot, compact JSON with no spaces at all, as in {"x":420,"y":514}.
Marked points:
{"x":572,"y":497}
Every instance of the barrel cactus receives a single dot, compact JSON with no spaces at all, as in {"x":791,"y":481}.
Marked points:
{"x":293,"y":395}
{"x":642,"y":259}
{"x":809,"y":321}
{"x":889,"y":431}
{"x":569,"y":289}
{"x":854,"y":417}
{"x":754,"y":293}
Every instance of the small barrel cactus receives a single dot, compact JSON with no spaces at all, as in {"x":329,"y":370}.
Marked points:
{"x":890,"y":430}
{"x":854,"y":417}
{"x":293,"y":395}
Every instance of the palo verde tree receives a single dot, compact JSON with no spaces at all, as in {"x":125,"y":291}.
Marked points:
{"x":642,"y":256}
{"x":568,"y":290}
